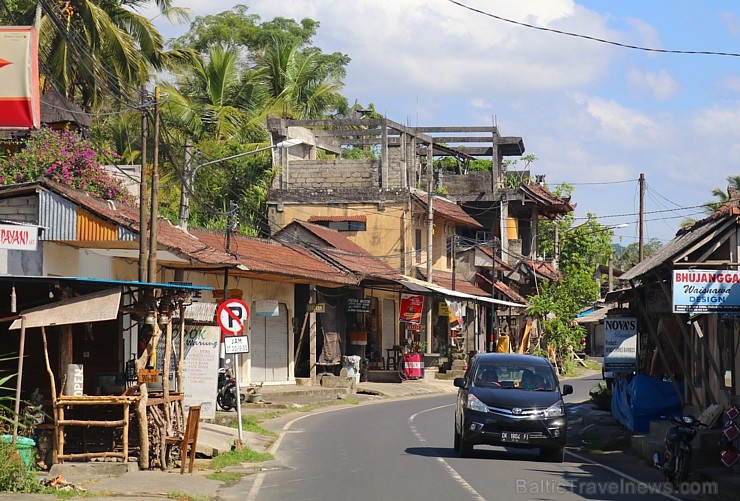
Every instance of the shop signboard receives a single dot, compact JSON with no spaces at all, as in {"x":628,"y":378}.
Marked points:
{"x":620,"y":344}
{"x":706,"y":291}
{"x":355,"y":305}
{"x":20,"y":101}
{"x":411,"y":308}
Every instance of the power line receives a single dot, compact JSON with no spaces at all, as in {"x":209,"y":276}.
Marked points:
{"x":595,"y":39}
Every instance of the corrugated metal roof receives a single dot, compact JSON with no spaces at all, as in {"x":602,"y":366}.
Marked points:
{"x":448,"y":209}
{"x":674,"y":248}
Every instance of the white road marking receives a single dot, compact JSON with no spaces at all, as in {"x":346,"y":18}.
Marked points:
{"x":450,"y":470}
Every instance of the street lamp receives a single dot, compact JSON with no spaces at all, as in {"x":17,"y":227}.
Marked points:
{"x":188,"y":178}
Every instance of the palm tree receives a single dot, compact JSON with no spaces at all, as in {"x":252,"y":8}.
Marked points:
{"x":723,"y":196}
{"x":92,"y":48}
{"x":214,"y":98}
{"x":301,"y":83}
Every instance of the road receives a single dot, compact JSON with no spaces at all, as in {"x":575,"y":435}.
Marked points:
{"x":403,"y":449}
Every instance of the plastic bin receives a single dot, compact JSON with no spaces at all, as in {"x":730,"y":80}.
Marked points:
{"x":25,"y":448}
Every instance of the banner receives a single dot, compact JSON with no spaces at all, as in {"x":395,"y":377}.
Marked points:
{"x":620,"y":344}
{"x":412,"y":306}
{"x":20,"y":102}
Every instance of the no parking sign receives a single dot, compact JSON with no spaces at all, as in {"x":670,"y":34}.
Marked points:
{"x":232,"y":316}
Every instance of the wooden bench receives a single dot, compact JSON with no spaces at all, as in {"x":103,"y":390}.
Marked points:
{"x":188,"y":441}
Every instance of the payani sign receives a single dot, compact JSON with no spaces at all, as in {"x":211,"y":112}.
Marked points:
{"x":18,"y":237}
{"x":20,"y":102}
{"x":706,"y":291}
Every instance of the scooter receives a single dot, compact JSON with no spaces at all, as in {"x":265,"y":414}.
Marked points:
{"x":226,"y":397}
{"x":676,"y":457}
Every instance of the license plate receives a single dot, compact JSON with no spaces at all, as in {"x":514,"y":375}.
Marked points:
{"x":513,"y":436}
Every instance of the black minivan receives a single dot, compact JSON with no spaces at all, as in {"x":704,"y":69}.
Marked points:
{"x":513,"y":401}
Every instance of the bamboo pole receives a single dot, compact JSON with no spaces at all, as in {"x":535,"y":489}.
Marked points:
{"x":92,"y":423}
{"x":167,"y":430}
{"x":58,"y":411}
{"x":143,"y":428}
{"x":124,"y":433}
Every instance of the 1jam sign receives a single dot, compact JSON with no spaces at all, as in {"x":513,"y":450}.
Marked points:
{"x":232,"y":316}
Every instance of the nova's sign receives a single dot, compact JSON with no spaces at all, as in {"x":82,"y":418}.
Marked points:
{"x":703,"y":291}
{"x":18,"y":237}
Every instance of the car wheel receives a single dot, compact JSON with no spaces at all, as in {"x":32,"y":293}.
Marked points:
{"x":555,"y":455}
{"x":466,"y":448}
{"x":457,"y":440}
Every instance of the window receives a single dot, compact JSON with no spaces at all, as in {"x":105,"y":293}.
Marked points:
{"x":341,"y":223}
{"x":417,"y":245}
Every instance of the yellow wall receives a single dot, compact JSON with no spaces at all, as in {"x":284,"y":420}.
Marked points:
{"x":385,"y":228}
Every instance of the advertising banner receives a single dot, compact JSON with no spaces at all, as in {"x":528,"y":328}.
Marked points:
{"x":620,"y":344}
{"x":704,"y":291}
{"x":412,"y":306}
{"x":20,"y":102}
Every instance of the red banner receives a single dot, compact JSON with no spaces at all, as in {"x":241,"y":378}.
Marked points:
{"x":411,"y":308}
{"x":20,"y":102}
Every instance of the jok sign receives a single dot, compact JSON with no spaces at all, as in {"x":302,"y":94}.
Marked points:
{"x":620,"y":344}
{"x":232,"y":316}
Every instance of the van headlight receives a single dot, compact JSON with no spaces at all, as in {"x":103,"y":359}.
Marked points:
{"x":555,"y":410}
{"x":476,"y":405}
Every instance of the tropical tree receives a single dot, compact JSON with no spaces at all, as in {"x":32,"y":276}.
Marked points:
{"x":733,"y":185}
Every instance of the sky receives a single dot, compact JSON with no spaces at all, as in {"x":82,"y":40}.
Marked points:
{"x":596,"y":115}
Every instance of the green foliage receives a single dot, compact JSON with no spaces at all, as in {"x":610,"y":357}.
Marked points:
{"x":630,"y":255}
{"x":66,"y":158}
{"x":357,"y":153}
{"x":14,"y":475}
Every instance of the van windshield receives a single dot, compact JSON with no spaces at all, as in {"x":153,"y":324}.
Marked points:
{"x":508,"y":376}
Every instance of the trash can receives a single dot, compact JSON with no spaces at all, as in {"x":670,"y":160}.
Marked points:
{"x":25,"y":447}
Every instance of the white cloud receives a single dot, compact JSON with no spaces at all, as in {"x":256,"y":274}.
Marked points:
{"x":618,"y":124}
{"x":660,"y":84}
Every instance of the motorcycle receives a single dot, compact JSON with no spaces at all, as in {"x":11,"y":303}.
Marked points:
{"x":676,"y":457}
{"x":226,"y":397}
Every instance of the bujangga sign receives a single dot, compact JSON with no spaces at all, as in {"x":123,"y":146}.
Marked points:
{"x":706,"y":291}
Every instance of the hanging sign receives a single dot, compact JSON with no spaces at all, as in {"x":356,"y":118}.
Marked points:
{"x":705,"y":291}
{"x":411,"y":308}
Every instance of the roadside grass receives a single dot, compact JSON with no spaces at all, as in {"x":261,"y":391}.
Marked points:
{"x":237,"y":457}
{"x":181,"y":496}
{"x":225,"y":476}
{"x":72,"y":494}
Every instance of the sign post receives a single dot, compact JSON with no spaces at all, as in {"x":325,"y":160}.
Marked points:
{"x":232,"y":316}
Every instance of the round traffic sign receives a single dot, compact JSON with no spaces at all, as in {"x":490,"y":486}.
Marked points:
{"x":232,"y":315}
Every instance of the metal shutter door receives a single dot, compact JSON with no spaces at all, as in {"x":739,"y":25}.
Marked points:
{"x":269,"y":347}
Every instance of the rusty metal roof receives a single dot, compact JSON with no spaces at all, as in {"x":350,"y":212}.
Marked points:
{"x":268,"y":259}
{"x":448,"y":210}
{"x":341,"y":251}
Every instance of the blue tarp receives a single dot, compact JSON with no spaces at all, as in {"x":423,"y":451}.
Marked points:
{"x":637,"y":401}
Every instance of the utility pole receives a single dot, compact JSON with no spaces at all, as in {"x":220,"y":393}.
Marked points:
{"x":143,"y":196}
{"x":430,"y":238}
{"x":454,"y":261}
{"x":642,"y":216}
{"x":187,"y":185}
{"x":152,"y":269}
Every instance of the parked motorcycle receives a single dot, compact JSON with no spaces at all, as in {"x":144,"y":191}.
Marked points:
{"x":226,"y":397}
{"x":676,"y":458}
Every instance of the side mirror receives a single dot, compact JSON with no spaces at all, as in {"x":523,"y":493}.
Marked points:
{"x":567,"y":389}
{"x":459,"y":382}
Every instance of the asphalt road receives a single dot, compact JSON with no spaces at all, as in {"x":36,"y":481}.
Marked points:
{"x":403,"y":449}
